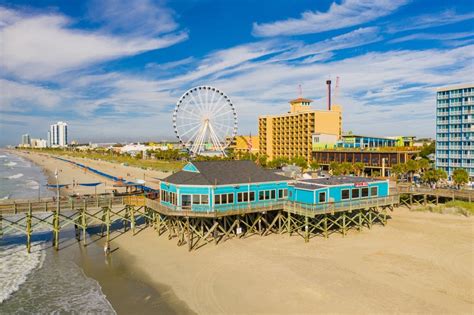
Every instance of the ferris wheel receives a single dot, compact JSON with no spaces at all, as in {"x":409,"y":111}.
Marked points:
{"x":204,"y":120}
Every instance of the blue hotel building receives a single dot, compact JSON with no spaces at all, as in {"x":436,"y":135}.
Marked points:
{"x":455,"y":129}
{"x":221,"y":186}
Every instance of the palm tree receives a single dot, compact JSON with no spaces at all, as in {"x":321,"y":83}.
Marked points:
{"x":412,"y":167}
{"x":358,"y":168}
{"x":460,"y":177}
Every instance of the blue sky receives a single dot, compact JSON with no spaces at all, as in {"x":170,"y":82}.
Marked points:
{"x":114,"y":69}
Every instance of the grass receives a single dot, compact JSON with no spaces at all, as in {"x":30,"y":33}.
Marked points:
{"x":159,"y":165}
{"x":454,"y":207}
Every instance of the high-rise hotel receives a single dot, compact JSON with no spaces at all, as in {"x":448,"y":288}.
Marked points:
{"x":57,"y":135}
{"x":290,"y":134}
{"x":455,"y":128}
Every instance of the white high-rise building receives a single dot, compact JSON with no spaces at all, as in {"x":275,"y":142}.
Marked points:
{"x":58,"y":134}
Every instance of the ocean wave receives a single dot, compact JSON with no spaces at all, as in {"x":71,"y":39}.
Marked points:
{"x":15,"y":266}
{"x":16,"y":176}
{"x":3,"y":156}
{"x":32,"y":184}
{"x":10,"y":164}
{"x":5,"y":197}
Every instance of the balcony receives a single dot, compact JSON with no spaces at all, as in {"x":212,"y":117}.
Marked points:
{"x":443,"y":97}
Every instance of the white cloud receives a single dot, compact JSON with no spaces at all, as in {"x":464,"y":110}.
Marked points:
{"x":13,"y":96}
{"x":429,"y":20}
{"x":142,"y":17}
{"x":432,"y":36}
{"x":348,"y":13}
{"x":42,"y":46}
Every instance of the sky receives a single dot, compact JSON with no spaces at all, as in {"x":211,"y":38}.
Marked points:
{"x":114,"y":70}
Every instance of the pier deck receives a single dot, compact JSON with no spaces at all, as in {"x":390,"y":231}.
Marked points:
{"x":191,"y":227}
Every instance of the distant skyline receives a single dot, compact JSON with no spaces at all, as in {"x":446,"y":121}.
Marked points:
{"x":113,"y":70}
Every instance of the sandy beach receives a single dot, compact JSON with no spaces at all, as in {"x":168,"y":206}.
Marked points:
{"x":419,"y":263}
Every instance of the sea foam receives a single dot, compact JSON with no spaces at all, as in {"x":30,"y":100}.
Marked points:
{"x":16,"y":176}
{"x":10,"y":164}
{"x":15,"y":266}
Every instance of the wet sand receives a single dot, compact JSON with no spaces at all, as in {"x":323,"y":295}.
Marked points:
{"x":418,"y":263}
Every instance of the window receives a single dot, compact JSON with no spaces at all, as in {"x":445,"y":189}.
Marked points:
{"x":374,"y":191}
{"x":322,"y":197}
{"x":267,"y":194}
{"x":244,"y":196}
{"x":282,"y":193}
{"x":186,"y":200}
{"x":365,"y":192}
{"x":222,"y":199}
{"x":355,"y":193}
{"x":200,"y":199}
{"x":345,"y":194}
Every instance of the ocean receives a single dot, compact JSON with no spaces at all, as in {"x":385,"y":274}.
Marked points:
{"x":43,"y":281}
{"x":76,"y":279}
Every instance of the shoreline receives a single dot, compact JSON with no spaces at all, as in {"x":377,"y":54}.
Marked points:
{"x":119,"y":278}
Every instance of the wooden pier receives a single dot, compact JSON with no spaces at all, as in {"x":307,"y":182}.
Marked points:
{"x":422,"y":196}
{"x":191,"y":228}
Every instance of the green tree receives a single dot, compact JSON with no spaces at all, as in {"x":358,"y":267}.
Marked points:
{"x":399,"y":170}
{"x":262,"y":160}
{"x":460,"y":177}
{"x":335,"y":168}
{"x":432,"y":176}
{"x":427,"y":149}
{"x":423,"y":164}
{"x":411,"y":167}
{"x":314,"y":165}
{"x":358,"y":168}
{"x":299,"y":161}
{"x":346,"y":168}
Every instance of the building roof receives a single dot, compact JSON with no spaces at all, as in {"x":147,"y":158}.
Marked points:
{"x":317,"y":183}
{"x":224,"y":173}
{"x":300,"y":99}
{"x":455,"y":87}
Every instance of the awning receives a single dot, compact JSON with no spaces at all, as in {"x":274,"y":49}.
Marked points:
{"x":89,"y":184}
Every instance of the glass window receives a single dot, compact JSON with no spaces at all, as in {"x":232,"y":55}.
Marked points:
{"x":252,"y":196}
{"x":267,"y":194}
{"x":224,"y":199}
{"x":355,"y":193}
{"x":230,"y":198}
{"x":218,"y":200}
{"x":345,"y":194}
{"x":282,"y":193}
{"x":365,"y":192}
{"x":322,"y":196}
{"x":240,"y":197}
{"x":185,"y":200}
{"x":261,"y":195}
{"x":374,"y":191}
{"x":273,"y":194}
{"x":196,"y":199}
{"x":204,"y":199}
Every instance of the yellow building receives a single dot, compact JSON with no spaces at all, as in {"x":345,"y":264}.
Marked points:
{"x":244,"y":144}
{"x":290,"y":135}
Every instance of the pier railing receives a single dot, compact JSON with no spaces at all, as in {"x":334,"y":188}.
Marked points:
{"x":50,"y":205}
{"x":286,"y":205}
{"x":71,"y":203}
{"x":460,"y":194}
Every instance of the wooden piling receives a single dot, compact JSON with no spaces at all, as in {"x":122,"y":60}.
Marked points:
{"x":84,"y":223}
{"x":306,"y":229}
{"x":28,"y":228}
